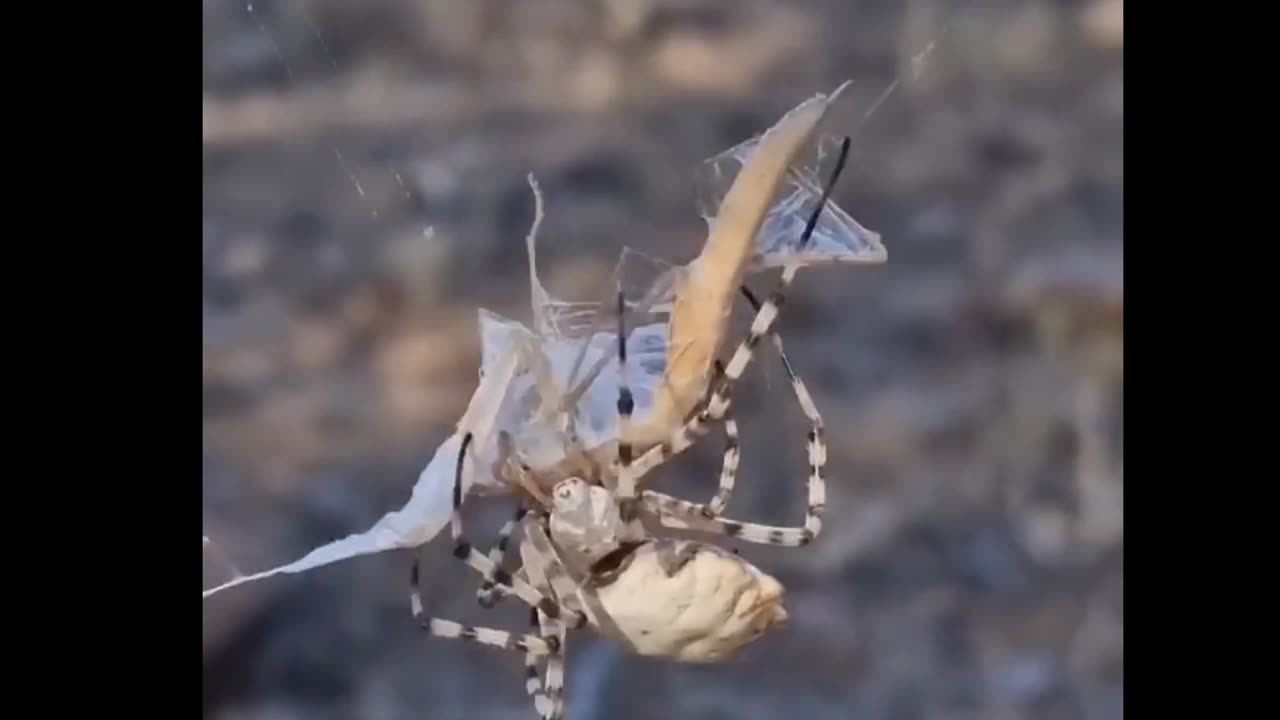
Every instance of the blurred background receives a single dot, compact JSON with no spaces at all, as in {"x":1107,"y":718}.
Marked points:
{"x":972,"y":561}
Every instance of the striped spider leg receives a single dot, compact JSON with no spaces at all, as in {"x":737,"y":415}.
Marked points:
{"x":729,"y":464}
{"x":547,"y":692}
{"x":535,"y":591}
{"x":488,"y":593}
{"x":677,"y":513}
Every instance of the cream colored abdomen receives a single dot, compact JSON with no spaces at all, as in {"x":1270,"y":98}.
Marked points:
{"x":706,"y":611}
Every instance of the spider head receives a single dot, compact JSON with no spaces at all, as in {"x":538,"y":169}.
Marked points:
{"x":570,"y":495}
{"x":584,"y":518}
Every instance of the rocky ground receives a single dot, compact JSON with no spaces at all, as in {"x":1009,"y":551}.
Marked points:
{"x":972,"y":565}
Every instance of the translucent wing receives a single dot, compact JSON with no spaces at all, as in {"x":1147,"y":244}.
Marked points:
{"x":837,"y":238}
{"x":566,"y":385}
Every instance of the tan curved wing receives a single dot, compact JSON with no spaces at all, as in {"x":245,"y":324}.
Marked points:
{"x":705,"y":294}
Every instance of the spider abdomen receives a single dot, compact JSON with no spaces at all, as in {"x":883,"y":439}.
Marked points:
{"x":690,"y":602}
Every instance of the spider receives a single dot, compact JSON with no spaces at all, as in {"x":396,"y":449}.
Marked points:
{"x":587,"y":559}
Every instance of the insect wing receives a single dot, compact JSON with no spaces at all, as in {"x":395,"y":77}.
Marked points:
{"x":837,"y":237}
